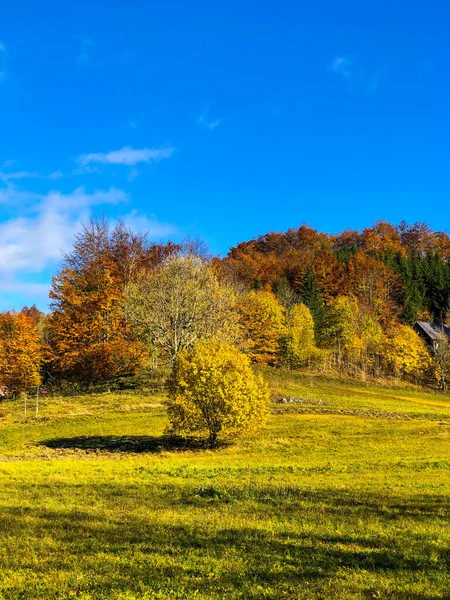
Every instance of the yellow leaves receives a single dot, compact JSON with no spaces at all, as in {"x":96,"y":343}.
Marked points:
{"x":214,"y":390}
{"x":298,"y":345}
{"x":262,"y":323}
{"x":405,"y":353}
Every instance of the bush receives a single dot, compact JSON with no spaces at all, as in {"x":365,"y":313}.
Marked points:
{"x":213,"y":391}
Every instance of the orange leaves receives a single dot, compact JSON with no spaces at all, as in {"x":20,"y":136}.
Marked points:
{"x":20,"y":352}
{"x":87,"y":330}
{"x":375,"y":285}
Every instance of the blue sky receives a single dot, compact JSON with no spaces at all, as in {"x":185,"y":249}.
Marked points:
{"x":222,"y":120}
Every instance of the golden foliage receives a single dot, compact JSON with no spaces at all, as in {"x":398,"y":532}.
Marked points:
{"x":262,"y":324}
{"x":404,"y":353}
{"x":213,"y":391}
{"x":299,"y":347}
{"x":20,"y":352}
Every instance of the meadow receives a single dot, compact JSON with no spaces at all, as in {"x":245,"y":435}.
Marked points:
{"x":343,"y":495}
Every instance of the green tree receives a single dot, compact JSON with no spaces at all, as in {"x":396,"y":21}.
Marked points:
{"x":437,"y":283}
{"x":312,"y":298}
{"x":213,"y":391}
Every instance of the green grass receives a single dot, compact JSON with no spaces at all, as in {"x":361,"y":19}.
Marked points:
{"x":343,"y":495}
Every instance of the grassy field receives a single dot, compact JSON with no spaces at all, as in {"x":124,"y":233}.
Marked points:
{"x":344,"y":495}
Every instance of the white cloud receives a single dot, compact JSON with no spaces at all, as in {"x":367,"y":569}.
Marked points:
{"x":3,"y":62}
{"x":127,"y":156}
{"x":342,"y":66}
{"x":18,"y":175}
{"x":45,"y":229}
{"x":208,"y":123}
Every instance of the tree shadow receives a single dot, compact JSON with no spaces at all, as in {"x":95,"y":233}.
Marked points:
{"x":127,"y":443}
{"x":164,"y":557}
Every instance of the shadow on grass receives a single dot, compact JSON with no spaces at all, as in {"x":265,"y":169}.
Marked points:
{"x":170,"y":560}
{"x":126,"y":443}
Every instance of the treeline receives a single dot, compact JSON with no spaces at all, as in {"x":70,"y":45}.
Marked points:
{"x":121,"y":305}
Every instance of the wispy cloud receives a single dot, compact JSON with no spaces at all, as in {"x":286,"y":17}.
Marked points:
{"x":360,"y":77}
{"x":3,"y":61}
{"x":46,"y":225}
{"x":127,"y":156}
{"x":342,"y":66}
{"x":84,"y":58}
{"x":6,"y":177}
{"x":133,"y":174}
{"x":56,"y":175}
{"x":207,"y":122}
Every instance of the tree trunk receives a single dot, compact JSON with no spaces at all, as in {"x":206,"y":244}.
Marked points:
{"x":212,"y":440}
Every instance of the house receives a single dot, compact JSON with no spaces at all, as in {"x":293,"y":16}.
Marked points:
{"x":430,"y":332}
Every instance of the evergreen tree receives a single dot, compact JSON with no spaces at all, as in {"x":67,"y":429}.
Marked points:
{"x":437,"y":284}
{"x":312,"y":298}
{"x":414,"y":303}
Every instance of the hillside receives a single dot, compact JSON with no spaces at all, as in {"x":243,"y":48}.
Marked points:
{"x":343,"y":495}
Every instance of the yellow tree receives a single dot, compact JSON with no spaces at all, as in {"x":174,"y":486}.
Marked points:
{"x":299,"y":346}
{"x":213,"y":391}
{"x":404,"y":353}
{"x":340,"y":328}
{"x":262,"y":325}
{"x":371,"y":343}
{"x":20,"y":353}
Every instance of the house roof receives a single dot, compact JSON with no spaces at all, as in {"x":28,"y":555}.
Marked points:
{"x":432,"y":330}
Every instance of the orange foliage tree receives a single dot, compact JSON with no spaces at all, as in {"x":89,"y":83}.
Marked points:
{"x":20,"y":352}
{"x":87,"y":330}
{"x":262,"y":325}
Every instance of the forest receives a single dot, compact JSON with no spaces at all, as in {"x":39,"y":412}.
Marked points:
{"x":122,"y":307}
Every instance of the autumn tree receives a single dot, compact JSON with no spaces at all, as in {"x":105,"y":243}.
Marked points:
{"x":442,"y":358}
{"x":340,"y":328}
{"x":20,"y":352}
{"x":213,"y":392}
{"x":87,"y":330}
{"x":179,"y":304}
{"x":262,"y":325}
{"x":298,"y":345}
{"x":405,"y":354}
{"x":376,"y":286}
